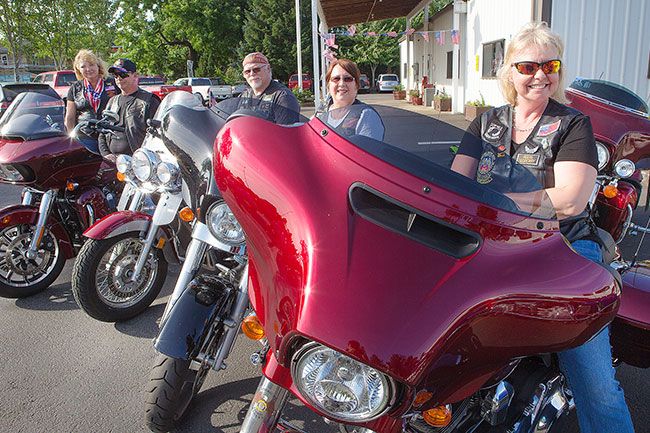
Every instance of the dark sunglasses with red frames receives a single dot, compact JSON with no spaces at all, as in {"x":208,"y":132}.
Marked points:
{"x":531,"y":68}
{"x":346,"y":78}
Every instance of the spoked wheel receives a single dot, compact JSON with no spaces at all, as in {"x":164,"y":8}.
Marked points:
{"x":20,"y":275}
{"x":102,"y":281}
{"x":172,"y":386}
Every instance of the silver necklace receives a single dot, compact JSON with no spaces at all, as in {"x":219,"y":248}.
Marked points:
{"x":514,"y":123}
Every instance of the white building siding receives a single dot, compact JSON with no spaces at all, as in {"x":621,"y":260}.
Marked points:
{"x":487,"y":22}
{"x":605,"y":39}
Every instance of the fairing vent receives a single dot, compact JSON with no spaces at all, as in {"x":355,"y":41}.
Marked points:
{"x":397,"y":217}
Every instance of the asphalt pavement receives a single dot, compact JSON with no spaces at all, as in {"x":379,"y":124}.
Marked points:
{"x":61,"y":371}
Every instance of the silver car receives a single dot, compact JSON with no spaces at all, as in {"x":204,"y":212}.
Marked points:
{"x":386,"y":82}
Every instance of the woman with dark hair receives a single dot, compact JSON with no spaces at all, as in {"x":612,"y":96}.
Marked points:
{"x":556,"y":144}
{"x":345,"y":113}
{"x":88,"y":96}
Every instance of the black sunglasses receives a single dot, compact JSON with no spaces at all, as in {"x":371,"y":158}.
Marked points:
{"x":256,"y":70}
{"x":120,"y":74}
{"x":531,"y":68}
{"x":346,"y":78}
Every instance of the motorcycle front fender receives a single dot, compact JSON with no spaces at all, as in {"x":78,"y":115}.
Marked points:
{"x":192,"y":317}
{"x":631,"y":328}
{"x":118,"y":223}
{"x":22,"y":214}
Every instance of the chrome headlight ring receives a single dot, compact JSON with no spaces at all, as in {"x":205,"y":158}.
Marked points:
{"x":223,"y":225}
{"x":124,"y":163}
{"x":603,"y":155}
{"x":341,"y":387}
{"x":624,"y":168}
{"x":143,"y":164}
{"x":167,"y":174}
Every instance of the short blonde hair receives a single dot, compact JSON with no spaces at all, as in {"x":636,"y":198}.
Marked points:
{"x":90,"y":57}
{"x":531,"y":35}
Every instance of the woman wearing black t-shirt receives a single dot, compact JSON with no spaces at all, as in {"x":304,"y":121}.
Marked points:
{"x":88,"y":97}
{"x":556,"y":144}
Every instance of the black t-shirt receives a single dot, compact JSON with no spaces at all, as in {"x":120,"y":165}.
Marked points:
{"x":277,"y":94}
{"x":577,"y":144}
{"x":84,"y":108}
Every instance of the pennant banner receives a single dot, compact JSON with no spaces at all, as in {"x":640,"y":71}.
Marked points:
{"x":439,"y":35}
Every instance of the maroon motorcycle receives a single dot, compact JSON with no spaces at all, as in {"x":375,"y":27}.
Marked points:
{"x":395,"y":295}
{"x":65,"y":191}
{"x":622,"y":131}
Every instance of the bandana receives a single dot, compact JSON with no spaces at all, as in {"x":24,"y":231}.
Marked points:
{"x":94,"y":95}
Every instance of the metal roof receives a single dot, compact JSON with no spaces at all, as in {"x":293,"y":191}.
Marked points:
{"x":345,"y":12}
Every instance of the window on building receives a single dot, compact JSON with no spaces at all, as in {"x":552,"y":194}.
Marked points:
{"x":450,"y":64}
{"x":492,"y":57}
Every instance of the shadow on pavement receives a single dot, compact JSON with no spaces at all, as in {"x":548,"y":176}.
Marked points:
{"x":145,"y":325}
{"x":57,"y":297}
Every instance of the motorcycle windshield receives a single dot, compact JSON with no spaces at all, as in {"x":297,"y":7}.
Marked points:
{"x":364,"y":240}
{"x":32,"y":116}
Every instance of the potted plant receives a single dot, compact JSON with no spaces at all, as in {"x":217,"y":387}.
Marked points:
{"x":442,"y":101}
{"x":399,"y":92}
{"x":416,"y":98}
{"x":475,"y":108}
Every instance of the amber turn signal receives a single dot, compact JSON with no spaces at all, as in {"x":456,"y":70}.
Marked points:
{"x":438,"y":416}
{"x":186,"y":214}
{"x":71,"y":186}
{"x":422,"y":397}
{"x":610,"y":191}
{"x":120,"y":176}
{"x":252,"y":327}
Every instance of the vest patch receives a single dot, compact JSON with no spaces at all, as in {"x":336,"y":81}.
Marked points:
{"x":545,"y":130}
{"x":527,"y":159}
{"x":494,"y":131}
{"x":485,"y":166}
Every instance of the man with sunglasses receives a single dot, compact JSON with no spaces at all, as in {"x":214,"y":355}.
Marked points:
{"x":266,"y":94}
{"x":134,"y":107}
{"x":556,"y":144}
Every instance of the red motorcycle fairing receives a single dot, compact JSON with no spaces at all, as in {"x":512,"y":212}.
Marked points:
{"x":321,"y":271}
{"x":21,"y":214}
{"x":94,"y":197}
{"x":631,"y":328}
{"x":635,"y":146}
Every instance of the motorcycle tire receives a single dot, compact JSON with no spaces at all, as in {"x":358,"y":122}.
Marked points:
{"x":172,"y":386}
{"x":104,"y":295}
{"x":14,"y":240}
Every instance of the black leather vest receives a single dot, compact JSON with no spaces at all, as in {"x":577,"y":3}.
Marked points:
{"x":537,"y":154}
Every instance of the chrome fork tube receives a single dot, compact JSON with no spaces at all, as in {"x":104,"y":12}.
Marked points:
{"x":266,"y":407}
{"x":136,"y":199}
{"x":39,"y":230}
{"x":193,"y":258}
{"x":232,"y":323}
{"x":146,"y":247}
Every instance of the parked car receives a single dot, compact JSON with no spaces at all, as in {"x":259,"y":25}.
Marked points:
{"x":219,"y":92}
{"x":200,"y":86}
{"x":9,"y":91}
{"x":386,"y":82}
{"x":157,"y":86}
{"x":364,"y":83}
{"x":306,"y":81}
{"x":59,"y":80}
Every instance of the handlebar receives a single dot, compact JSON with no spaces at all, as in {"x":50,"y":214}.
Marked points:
{"x":102,"y":126}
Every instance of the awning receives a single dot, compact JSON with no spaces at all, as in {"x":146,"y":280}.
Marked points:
{"x":345,"y":12}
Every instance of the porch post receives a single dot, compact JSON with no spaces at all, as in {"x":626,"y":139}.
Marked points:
{"x":316,"y":54}
{"x":298,"y":45}
{"x":408,"y":57}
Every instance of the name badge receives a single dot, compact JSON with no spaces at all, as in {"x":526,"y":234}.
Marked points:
{"x":527,"y":159}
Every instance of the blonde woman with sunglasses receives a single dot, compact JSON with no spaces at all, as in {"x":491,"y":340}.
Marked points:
{"x":556,"y":144}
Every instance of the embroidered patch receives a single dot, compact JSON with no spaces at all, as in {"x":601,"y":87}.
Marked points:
{"x":527,"y":159}
{"x":545,"y":130}
{"x":494,"y":131}
{"x":267,"y":98}
{"x":531,"y":149}
{"x":545,"y":143}
{"x":485,"y":166}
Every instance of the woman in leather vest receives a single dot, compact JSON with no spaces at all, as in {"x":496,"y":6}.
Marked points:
{"x":347,"y":115}
{"x":556,"y":144}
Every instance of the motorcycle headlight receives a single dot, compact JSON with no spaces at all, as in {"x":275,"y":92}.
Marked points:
{"x":167,"y":173}
{"x":143,"y":163}
{"x":223,"y":225}
{"x":603,"y":155}
{"x":123,"y":163}
{"x":341,"y":387}
{"x":15,"y":173}
{"x":624,"y":168}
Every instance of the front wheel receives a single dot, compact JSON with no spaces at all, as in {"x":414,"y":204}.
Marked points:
{"x":172,"y":386}
{"x":102,"y":277}
{"x":21,"y":276}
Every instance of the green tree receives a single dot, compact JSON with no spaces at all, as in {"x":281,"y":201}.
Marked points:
{"x":270,"y":27}
{"x":13,"y":26}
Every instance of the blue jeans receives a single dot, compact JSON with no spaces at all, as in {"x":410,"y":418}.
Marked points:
{"x":600,"y":403}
